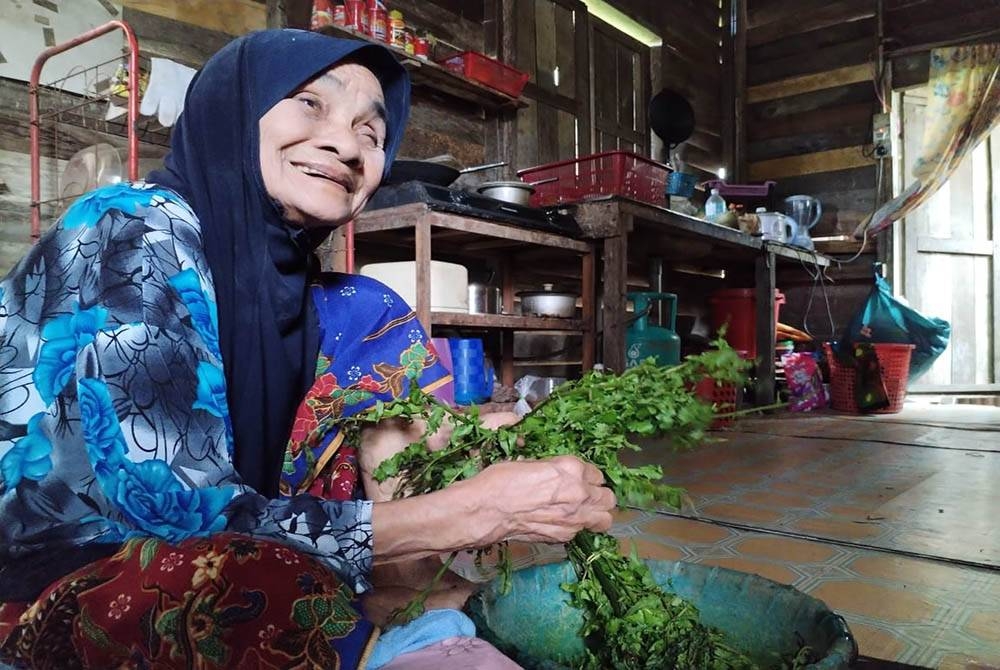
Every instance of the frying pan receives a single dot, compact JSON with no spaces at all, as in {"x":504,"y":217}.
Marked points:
{"x":671,"y":117}
{"x":430,"y":172}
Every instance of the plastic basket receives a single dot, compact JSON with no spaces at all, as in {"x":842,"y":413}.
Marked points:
{"x":723,"y":396}
{"x":894,"y":363}
{"x":609,"y":173}
{"x":750,"y":196}
{"x":681,"y":184}
{"x":487,"y":71}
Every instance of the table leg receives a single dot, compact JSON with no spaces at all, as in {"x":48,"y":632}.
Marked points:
{"x":764,"y":284}
{"x":422,"y":252}
{"x":615,"y":257}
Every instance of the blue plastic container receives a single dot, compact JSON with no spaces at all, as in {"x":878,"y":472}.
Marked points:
{"x":468,"y":361}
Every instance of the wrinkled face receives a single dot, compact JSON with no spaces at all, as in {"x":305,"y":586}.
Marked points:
{"x":322,"y":148}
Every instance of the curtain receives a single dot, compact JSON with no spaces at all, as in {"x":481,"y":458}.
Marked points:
{"x":963,"y":106}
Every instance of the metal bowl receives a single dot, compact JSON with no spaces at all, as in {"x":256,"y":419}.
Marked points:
{"x":548,"y":302}
{"x":514,"y":192}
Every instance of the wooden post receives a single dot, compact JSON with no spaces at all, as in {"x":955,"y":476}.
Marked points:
{"x":507,"y":336}
{"x":588,"y":296}
{"x":422,"y":253}
{"x":764,"y":281}
{"x":277,"y":15}
{"x":615,"y":259}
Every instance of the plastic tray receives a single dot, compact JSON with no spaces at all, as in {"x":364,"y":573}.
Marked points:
{"x":487,"y":71}
{"x":609,"y":173}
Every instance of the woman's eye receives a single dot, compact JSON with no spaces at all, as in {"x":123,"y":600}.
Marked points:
{"x":309,"y":101}
{"x":370,"y":137}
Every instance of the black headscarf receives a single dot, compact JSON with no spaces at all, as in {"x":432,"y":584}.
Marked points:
{"x":261,"y":266}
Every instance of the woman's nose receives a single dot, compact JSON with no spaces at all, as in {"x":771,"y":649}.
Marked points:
{"x":342,"y":141}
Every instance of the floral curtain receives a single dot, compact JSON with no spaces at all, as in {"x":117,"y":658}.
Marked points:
{"x":964,"y":105}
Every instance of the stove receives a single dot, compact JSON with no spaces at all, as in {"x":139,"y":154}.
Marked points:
{"x":442,"y":199}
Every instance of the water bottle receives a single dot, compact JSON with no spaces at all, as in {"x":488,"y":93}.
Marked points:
{"x":715,"y":206}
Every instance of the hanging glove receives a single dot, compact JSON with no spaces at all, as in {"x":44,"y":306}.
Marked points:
{"x":168,"y":82}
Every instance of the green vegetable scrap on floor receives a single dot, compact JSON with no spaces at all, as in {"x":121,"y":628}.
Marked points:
{"x":629,"y":621}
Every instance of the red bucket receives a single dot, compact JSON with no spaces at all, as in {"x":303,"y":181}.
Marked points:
{"x":737,"y":307}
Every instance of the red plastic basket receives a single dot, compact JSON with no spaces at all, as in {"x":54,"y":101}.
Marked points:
{"x":487,"y":71}
{"x":723,"y":396}
{"x":894,"y":363}
{"x":608,"y":173}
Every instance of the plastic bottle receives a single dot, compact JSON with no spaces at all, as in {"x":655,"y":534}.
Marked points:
{"x":715,"y":206}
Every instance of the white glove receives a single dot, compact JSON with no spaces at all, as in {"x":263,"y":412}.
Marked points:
{"x":168,"y":82}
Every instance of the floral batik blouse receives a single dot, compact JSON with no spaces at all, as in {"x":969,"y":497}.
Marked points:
{"x":113,"y":415}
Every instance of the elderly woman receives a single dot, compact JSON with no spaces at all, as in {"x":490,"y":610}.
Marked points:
{"x":174,"y":487}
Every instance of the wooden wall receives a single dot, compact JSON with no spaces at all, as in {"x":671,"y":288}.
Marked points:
{"x":810,"y":97}
{"x":689,"y":63}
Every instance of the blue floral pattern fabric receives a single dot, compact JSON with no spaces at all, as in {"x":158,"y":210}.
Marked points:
{"x":114,"y":421}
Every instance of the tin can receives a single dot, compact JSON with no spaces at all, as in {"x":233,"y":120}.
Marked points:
{"x":397,"y":29}
{"x":339,"y":15}
{"x":353,"y":9}
{"x":422,"y":47}
{"x":379,"y":22}
{"x":410,"y":44}
{"x":322,"y":14}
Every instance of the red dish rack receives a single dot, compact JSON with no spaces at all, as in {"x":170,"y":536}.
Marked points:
{"x":608,"y":173}
{"x":487,"y":71}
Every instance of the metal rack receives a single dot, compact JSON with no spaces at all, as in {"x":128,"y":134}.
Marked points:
{"x":51,"y":107}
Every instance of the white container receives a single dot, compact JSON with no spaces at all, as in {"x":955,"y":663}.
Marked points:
{"x":715,"y":206}
{"x":449,"y":283}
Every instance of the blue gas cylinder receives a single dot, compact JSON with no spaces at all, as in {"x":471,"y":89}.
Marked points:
{"x":643,"y":340}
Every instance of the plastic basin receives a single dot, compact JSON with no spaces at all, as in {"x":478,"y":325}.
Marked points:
{"x":536,"y":626}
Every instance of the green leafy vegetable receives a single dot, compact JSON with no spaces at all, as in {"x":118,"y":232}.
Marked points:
{"x":629,"y":621}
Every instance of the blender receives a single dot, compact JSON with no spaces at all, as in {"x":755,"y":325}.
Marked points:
{"x":806,"y":210}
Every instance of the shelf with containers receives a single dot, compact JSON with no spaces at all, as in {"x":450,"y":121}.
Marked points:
{"x":434,"y":76}
{"x":520,"y":256}
{"x":630,"y":232}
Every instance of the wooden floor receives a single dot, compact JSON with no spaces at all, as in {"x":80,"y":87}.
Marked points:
{"x":893,"y":521}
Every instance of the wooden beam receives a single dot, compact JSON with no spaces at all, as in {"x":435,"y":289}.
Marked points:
{"x":815,"y":121}
{"x":233,"y":17}
{"x":820,"y":161}
{"x":805,"y":16}
{"x":809,"y":82}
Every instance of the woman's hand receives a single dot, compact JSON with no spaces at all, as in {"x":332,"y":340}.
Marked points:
{"x":540,"y":501}
{"x":534,"y":501}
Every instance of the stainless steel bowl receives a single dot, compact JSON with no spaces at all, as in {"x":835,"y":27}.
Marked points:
{"x":548,"y":302}
{"x":514,"y":192}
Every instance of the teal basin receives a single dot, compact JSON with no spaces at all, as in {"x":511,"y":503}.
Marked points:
{"x":536,"y":626}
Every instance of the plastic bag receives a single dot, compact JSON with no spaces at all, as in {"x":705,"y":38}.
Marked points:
{"x":805,"y":382}
{"x":884,"y":318}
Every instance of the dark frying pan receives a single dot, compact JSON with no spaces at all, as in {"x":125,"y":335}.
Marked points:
{"x":671,"y":117}
{"x":430,"y":172}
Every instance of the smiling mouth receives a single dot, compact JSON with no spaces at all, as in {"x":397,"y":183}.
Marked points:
{"x":313,"y":171}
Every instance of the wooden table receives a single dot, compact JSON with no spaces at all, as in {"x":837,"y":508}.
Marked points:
{"x":618,"y":222}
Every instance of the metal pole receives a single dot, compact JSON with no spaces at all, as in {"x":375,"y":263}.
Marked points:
{"x":34,"y":131}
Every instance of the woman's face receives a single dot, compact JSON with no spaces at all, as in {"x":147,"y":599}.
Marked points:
{"x":322,"y":148}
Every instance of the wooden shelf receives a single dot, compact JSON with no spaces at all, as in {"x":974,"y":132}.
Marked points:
{"x":505,"y":321}
{"x":430,"y":74}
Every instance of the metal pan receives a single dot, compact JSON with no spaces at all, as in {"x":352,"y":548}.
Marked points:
{"x":671,"y":117}
{"x":431,"y":172}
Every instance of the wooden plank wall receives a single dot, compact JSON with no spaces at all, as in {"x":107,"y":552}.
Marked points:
{"x":810,"y":99}
{"x":689,"y":63}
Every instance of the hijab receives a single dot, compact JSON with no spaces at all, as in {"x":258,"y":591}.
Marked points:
{"x":261,"y":266}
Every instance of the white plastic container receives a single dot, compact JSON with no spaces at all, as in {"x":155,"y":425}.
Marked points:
{"x":449,"y":283}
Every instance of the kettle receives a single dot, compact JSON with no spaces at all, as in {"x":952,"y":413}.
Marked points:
{"x":776,"y":227}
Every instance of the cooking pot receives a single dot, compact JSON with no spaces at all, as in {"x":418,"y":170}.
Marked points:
{"x":484,"y":299}
{"x":431,"y":172}
{"x":548,"y":302}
